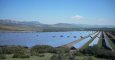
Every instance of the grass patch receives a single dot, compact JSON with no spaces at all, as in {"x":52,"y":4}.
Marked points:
{"x":86,"y":58}
{"x":112,"y":44}
{"x":87,"y":44}
{"x":19,"y":28}
{"x":100,"y":41}
{"x":110,"y":41}
{"x":111,"y":35}
{"x":46,"y":56}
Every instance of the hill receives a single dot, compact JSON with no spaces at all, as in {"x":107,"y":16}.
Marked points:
{"x":12,"y":25}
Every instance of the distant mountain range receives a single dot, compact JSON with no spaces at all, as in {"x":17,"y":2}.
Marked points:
{"x":35,"y":25}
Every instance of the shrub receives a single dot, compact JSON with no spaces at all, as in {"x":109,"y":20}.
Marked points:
{"x":2,"y":56}
{"x":11,"y":49}
{"x":92,"y":50}
{"x":41,"y":55}
{"x":25,"y":56}
{"x":61,"y":53}
{"x":1,"y":50}
{"x":106,"y":54}
{"x":77,"y":53}
{"x":16,"y":56}
{"x":62,"y":50}
{"x":20,"y":56}
{"x":35,"y":50}
{"x":99,"y":52}
{"x":54,"y":57}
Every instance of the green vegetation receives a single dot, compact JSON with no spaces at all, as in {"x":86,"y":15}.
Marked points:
{"x":19,"y":28}
{"x":109,"y":34}
{"x":2,"y":56}
{"x":111,"y":43}
{"x":44,"y":52}
{"x":36,"y":50}
{"x":17,"y":51}
{"x":87,"y":44}
{"x":46,"y":56}
{"x":99,"y":52}
{"x":100,"y":41}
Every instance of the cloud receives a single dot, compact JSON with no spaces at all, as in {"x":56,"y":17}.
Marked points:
{"x":77,"y":17}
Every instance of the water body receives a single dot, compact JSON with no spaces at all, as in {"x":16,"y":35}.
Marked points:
{"x":30,"y":39}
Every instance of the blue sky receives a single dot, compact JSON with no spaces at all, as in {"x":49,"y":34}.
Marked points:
{"x":99,"y":12}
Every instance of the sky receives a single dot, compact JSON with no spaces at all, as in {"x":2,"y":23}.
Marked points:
{"x":92,"y":12}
